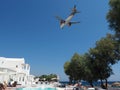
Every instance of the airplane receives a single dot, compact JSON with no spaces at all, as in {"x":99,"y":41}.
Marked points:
{"x":68,"y":20}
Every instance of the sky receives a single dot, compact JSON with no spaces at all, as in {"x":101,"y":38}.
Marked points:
{"x":29,"y":30}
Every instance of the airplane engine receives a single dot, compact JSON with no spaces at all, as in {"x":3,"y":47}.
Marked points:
{"x":62,"y":21}
{"x":69,"y":24}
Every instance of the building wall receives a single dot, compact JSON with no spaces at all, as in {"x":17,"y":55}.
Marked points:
{"x":17,"y":64}
{"x":15,"y":69}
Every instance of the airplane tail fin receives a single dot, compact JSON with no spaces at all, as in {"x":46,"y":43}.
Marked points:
{"x":74,"y":10}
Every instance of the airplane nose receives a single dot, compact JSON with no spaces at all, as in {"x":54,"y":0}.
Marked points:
{"x":61,"y":27}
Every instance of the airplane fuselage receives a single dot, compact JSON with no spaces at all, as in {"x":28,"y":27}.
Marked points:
{"x":67,"y":21}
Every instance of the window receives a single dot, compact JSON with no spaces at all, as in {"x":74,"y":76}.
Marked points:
{"x":16,"y":66}
{"x":19,"y":78}
{"x":23,"y":79}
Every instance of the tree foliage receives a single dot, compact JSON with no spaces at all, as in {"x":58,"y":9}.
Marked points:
{"x":94,"y":65}
{"x":89,"y":70}
{"x":113,"y":18}
{"x":47,"y":77}
{"x":74,"y":68}
{"x":106,"y":49}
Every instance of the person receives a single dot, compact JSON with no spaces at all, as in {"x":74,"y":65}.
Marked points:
{"x":2,"y":86}
{"x":14,"y":84}
{"x":5,"y":84}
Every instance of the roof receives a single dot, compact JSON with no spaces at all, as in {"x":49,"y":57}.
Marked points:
{"x":13,"y":59}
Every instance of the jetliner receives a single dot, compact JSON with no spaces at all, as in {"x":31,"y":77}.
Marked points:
{"x":68,"y":20}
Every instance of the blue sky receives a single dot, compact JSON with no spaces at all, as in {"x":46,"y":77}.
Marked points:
{"x":29,"y":29}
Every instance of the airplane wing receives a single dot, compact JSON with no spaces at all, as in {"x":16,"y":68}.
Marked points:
{"x":61,"y":21}
{"x":70,"y":23}
{"x":59,"y":18}
{"x":74,"y":22}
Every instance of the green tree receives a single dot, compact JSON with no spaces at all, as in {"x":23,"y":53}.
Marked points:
{"x":106,"y":49}
{"x":104,"y":56}
{"x":89,"y":70}
{"x":77,"y":67}
{"x":47,"y":77}
{"x":74,"y":68}
{"x":68,"y":71}
{"x":113,"y":18}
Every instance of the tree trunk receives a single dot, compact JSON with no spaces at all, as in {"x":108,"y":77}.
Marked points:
{"x":70,"y":80}
{"x":91,"y":84}
{"x":106,"y":83}
{"x":101,"y":83}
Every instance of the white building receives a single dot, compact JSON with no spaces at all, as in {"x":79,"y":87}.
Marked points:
{"x":15,"y":69}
